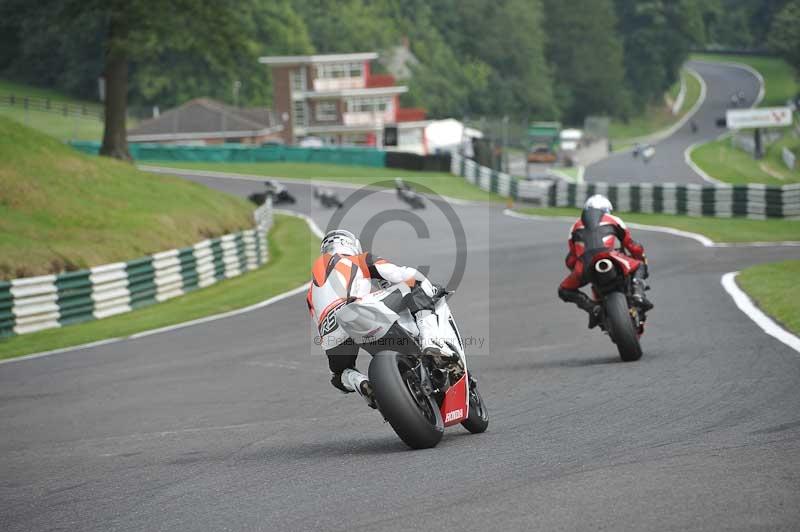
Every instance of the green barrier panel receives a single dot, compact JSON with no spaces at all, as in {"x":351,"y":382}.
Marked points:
{"x":636,"y":198}
{"x":571,"y":190}
{"x":141,"y":282}
{"x":708,"y":198}
{"x":7,"y":319}
{"x":188,"y":268}
{"x":74,"y":302}
{"x":681,"y":200}
{"x":658,"y":198}
{"x":217,"y":253}
{"x":774,"y":200}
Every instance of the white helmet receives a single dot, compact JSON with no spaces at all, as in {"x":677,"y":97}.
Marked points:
{"x":600,"y":202}
{"x":340,"y":242}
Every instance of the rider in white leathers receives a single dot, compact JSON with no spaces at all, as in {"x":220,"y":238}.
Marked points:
{"x":344,"y":273}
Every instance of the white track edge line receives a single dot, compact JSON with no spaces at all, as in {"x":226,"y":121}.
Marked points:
{"x":746,"y":305}
{"x":214,"y":317}
{"x":702,"y":239}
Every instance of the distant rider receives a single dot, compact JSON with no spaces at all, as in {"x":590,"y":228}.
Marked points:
{"x":344,"y":273}
{"x":613,"y":233}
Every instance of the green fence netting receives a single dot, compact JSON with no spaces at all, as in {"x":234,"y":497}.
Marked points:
{"x":247,"y":154}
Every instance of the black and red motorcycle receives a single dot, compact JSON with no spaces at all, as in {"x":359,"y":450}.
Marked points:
{"x":611,"y":275}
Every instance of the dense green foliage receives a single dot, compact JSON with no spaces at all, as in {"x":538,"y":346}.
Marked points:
{"x":528,"y":59}
{"x":785,"y":35}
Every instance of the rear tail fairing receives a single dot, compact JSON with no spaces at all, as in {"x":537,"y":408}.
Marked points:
{"x":372,"y":316}
{"x":611,"y":271}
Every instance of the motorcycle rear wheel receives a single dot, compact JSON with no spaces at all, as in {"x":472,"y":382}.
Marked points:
{"x":622,"y":330}
{"x":415,"y":417}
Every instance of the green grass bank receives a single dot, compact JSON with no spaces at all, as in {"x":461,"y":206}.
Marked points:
{"x":775,"y":289}
{"x":292,"y":247}
{"x":61,"y":210}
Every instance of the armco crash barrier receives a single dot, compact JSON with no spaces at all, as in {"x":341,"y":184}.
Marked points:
{"x":751,"y":201}
{"x":36,"y":303}
{"x":242,"y":153}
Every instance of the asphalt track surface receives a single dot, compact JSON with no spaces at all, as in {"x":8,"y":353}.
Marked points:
{"x":232,"y":424}
{"x":668,"y":164}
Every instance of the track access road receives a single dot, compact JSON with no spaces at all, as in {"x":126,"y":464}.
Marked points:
{"x":668,"y":165}
{"x":232,"y":424}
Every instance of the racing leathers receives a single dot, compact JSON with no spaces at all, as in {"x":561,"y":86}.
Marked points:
{"x":600,"y":227}
{"x":340,"y":279}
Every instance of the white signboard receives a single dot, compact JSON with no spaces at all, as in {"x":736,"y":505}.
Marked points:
{"x":760,"y":117}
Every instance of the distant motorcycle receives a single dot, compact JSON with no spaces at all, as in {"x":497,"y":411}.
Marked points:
{"x":408,"y":195}
{"x":327,"y":197}
{"x":278,"y":192}
{"x":648,"y":152}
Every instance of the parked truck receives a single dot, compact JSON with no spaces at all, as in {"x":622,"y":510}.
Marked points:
{"x":543,"y":142}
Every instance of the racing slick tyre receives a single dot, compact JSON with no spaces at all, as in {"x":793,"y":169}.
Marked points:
{"x":621,"y":327}
{"x":478,"y":419}
{"x":414,"y":416}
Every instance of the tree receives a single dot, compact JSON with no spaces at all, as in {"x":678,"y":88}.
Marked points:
{"x":269,"y":27}
{"x":585,"y":55}
{"x":784,"y":36}
{"x":657,"y":36}
{"x":507,"y":36}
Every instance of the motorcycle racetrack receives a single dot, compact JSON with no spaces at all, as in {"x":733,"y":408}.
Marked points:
{"x":233,"y":425}
{"x":668,"y":165}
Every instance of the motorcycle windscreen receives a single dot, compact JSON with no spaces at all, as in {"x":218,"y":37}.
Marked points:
{"x":455,"y":407}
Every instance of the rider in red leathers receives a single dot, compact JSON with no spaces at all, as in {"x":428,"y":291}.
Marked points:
{"x":598,"y":228}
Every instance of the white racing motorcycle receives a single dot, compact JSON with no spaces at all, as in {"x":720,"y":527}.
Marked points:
{"x":418,"y":395}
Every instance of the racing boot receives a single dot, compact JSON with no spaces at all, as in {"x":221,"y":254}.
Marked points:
{"x":428,"y":324}
{"x":639,"y":286}
{"x":355,"y":381}
{"x":583,"y":301}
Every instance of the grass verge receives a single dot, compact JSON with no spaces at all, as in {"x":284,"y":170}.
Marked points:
{"x":721,"y":160}
{"x":775,"y":290}
{"x":779,"y":81}
{"x":441,"y":183}
{"x":61,"y":210}
{"x":292,"y":247}
{"x":717,"y":229}
{"x":655,"y":118}
{"x":53,"y":123}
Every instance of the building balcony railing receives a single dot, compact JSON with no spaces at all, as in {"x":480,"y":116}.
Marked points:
{"x":337,"y":84}
{"x":367,"y":118}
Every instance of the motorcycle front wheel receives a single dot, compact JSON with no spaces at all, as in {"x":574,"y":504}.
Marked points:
{"x":478,"y":419}
{"x":414,"y":416}
{"x":621,"y":327}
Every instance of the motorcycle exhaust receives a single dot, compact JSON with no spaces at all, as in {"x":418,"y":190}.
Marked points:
{"x":604,"y":266}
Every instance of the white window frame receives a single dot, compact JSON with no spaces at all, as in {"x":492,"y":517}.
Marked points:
{"x":301,"y":118}
{"x":297,"y":79}
{"x":373,"y":104}
{"x":339,"y":70}
{"x":326,"y":111}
